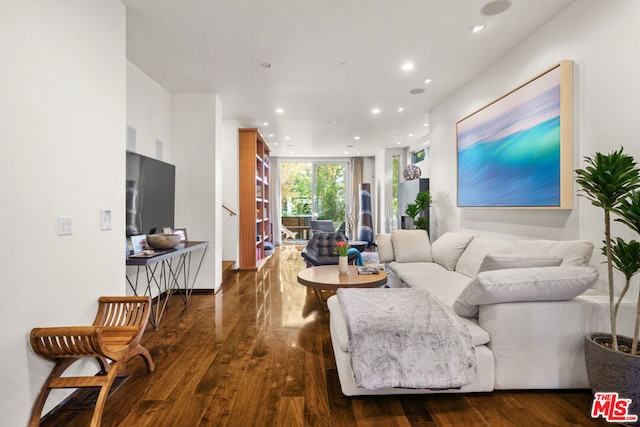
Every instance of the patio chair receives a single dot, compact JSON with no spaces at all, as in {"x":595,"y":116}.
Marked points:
{"x":288,"y":234}
{"x":321,"y":225}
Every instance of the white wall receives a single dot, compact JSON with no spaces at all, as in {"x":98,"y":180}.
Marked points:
{"x":601,"y":38}
{"x":63,"y":113}
{"x":148,"y":112}
{"x":195,"y":121}
{"x":230,"y":189}
{"x":384,"y":183}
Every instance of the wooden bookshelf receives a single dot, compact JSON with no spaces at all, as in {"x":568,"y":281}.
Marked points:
{"x":255,"y":224}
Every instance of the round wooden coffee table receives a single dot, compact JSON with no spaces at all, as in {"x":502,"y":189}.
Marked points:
{"x":328,"y":278}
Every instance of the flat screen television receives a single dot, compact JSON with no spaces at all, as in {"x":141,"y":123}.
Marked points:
{"x":150,"y":194}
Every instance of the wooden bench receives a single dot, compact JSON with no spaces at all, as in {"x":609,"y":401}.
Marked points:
{"x":115,"y":334}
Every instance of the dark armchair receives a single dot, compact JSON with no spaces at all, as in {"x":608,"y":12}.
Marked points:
{"x":321,"y":226}
{"x":321,"y":249}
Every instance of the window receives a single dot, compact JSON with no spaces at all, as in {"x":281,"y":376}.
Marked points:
{"x":419,"y":156}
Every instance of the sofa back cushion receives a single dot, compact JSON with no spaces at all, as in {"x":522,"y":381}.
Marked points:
{"x":385,"y":247}
{"x":524,"y":284}
{"x":502,"y":261}
{"x":470,"y":260}
{"x":572,"y":252}
{"x":446,"y":250}
{"x":411,"y":246}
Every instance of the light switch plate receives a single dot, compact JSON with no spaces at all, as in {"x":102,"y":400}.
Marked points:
{"x":106,"y":219}
{"x":65,"y":225}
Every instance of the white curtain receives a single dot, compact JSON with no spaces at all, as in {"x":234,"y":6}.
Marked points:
{"x":354,"y":204}
{"x":275,"y":191}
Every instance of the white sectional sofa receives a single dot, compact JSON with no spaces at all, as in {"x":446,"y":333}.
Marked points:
{"x":527,"y":306}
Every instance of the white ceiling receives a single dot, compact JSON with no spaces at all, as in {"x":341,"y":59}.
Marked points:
{"x":332,"y":61}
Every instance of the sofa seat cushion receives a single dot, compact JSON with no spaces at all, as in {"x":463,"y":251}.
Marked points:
{"x":405,"y":267}
{"x":478,"y":335}
{"x":411,"y":246}
{"x":446,"y":250}
{"x":524,"y":284}
{"x":573,"y":252}
{"x":436,"y":281}
{"x":471,"y":258}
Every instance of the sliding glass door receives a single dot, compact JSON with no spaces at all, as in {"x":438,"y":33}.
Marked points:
{"x":330,"y":192}
{"x":313,"y":190}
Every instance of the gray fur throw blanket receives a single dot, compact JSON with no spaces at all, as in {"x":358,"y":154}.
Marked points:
{"x":406,"y":338}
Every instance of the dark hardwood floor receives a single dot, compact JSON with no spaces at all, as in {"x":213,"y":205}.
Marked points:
{"x":258,"y":353}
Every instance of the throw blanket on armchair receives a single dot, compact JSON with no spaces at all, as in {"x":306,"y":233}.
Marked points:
{"x":406,"y":338}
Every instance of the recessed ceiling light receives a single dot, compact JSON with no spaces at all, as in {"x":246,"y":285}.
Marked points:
{"x":356,"y":138}
{"x":427,"y":80}
{"x":400,"y":109}
{"x":346,"y":152}
{"x":410,"y":135}
{"x":416,"y":91}
{"x":399,"y":143}
{"x":408,"y":66}
{"x":271,"y":135}
{"x":375,"y":111}
{"x":266,"y":124}
{"x":275,"y":143}
{"x":495,"y":7}
{"x":287,"y":137}
{"x":279,"y":110}
{"x":425,"y":125}
{"x":476,"y":28}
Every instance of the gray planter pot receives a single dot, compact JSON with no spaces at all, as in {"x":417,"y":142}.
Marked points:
{"x":613,"y":371}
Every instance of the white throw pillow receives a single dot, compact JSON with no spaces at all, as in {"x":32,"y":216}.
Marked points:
{"x":385,"y":247}
{"x":472,"y":257}
{"x":524,"y":284}
{"x":502,"y":261}
{"x":448,"y":248}
{"x":573,"y":252}
{"x":411,"y":246}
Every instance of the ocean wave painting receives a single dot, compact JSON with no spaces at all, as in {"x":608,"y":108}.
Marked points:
{"x":509,"y":151}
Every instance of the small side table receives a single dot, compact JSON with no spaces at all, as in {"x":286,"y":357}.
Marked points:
{"x":327,"y":277}
{"x":360,"y":245}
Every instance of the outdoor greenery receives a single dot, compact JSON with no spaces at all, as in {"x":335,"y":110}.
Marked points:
{"x":330,"y":186}
{"x":296,"y":189}
{"x":612,"y":182}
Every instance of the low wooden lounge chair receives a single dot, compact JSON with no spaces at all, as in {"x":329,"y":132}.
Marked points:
{"x":115,"y":335}
{"x":288,"y":234}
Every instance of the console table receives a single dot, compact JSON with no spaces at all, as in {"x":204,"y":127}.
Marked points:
{"x":168,"y":272}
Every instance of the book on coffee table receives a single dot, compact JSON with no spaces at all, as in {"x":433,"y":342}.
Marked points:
{"x":367,"y":270}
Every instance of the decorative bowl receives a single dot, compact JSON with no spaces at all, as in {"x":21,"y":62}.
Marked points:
{"x":163,"y":241}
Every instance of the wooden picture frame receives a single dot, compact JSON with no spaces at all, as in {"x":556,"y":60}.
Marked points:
{"x":182,"y":232}
{"x":516,"y":152}
{"x":138,"y":243}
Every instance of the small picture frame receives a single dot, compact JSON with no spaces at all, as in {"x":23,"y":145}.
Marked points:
{"x":138,"y":243}
{"x":167,"y":230}
{"x":182,"y":232}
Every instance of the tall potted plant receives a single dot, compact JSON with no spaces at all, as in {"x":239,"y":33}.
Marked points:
{"x":611,"y":182}
{"x":415,"y":210}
